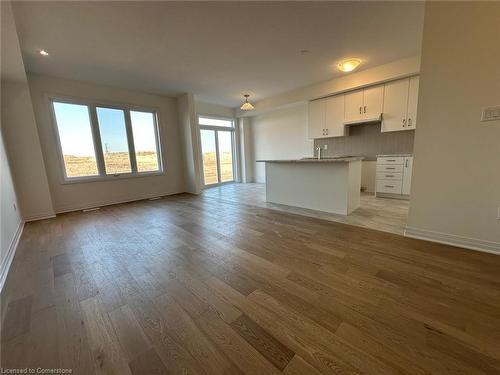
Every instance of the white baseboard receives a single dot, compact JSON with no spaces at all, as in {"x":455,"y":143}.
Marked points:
{"x":5,"y":265}
{"x":39,"y":217}
{"x":454,"y":240}
{"x":63,"y":209}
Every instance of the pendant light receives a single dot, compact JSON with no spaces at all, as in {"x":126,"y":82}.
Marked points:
{"x":246,"y":106}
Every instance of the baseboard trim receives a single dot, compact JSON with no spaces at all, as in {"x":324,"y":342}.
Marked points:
{"x":453,"y":240}
{"x":5,"y":266}
{"x":40,"y":217}
{"x":64,"y":209}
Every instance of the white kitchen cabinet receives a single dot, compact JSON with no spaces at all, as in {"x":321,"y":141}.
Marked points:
{"x":411,"y":123}
{"x":400,"y":105}
{"x":316,"y":122}
{"x":353,"y":110}
{"x":334,"y":117}
{"x":326,"y":118}
{"x":407,"y":172}
{"x":364,"y":105}
{"x":393,"y":177}
{"x":373,"y":102}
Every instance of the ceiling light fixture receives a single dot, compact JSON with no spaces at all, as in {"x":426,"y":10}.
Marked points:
{"x":348,"y":65}
{"x":43,"y":52}
{"x":246,"y":106}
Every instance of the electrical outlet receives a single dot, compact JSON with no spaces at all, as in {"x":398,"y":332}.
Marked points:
{"x":325,"y":147}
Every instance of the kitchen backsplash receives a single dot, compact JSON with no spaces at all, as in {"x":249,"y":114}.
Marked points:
{"x":367,"y":140}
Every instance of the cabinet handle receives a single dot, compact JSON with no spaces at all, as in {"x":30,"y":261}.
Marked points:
{"x":404,"y":122}
{"x":389,"y":168}
{"x":391,"y":159}
{"x":389,"y":175}
{"x":390,"y":186}
{"x":409,"y":122}
{"x":360,"y":110}
{"x":365,"y":109}
{"x":406,"y":164}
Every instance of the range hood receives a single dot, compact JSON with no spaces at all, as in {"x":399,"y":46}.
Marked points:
{"x":364,"y":120}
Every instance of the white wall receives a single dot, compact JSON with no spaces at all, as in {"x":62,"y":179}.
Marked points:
{"x":455,"y":188}
{"x":247,"y":160}
{"x":280,"y":135}
{"x":209,"y":109}
{"x":191,"y":143}
{"x":10,"y":218}
{"x":19,"y":130}
{"x":25,"y":154}
{"x":83,"y":195}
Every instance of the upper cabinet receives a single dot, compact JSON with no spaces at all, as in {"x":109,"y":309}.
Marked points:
{"x":396,"y":101}
{"x":400,"y":105}
{"x":326,"y":118}
{"x":412,"y":102}
{"x":364,"y":105}
{"x":316,"y":122}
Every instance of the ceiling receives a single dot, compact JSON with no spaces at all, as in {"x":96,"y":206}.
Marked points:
{"x":217,"y":50}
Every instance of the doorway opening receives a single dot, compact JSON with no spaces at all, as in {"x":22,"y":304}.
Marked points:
{"x":217,"y":149}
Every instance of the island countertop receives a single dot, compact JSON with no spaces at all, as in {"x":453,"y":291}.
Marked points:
{"x":345,"y":159}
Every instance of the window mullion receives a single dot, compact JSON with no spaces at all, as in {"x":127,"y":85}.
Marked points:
{"x":130,"y":139}
{"x":217,"y":156}
{"x":96,"y":135}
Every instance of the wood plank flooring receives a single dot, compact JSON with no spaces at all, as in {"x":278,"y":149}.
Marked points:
{"x":385,"y":214}
{"x":205,"y":285}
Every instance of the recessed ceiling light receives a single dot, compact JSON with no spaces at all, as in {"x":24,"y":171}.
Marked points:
{"x":348,"y":65}
{"x":43,"y":52}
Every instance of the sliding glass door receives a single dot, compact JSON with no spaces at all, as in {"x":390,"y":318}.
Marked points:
{"x":217,"y":149}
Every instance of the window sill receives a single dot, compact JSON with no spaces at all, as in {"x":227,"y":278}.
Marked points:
{"x":122,"y":176}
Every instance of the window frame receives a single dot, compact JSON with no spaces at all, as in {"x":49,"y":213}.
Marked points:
{"x":232,"y":129}
{"x":92,"y":106}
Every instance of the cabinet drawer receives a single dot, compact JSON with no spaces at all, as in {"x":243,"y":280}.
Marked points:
{"x":391,"y":168}
{"x":397,"y":176}
{"x":389,"y":186}
{"x":391,"y":160}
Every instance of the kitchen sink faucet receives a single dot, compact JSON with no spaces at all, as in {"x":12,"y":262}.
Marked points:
{"x":319,"y":152}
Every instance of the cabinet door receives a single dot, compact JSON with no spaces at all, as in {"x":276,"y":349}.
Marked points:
{"x":335,"y":116}
{"x":353,"y":106}
{"x":373,"y":100}
{"x":316,"y":122}
{"x":407,"y":171}
{"x":412,"y":102}
{"x":395,"y":105}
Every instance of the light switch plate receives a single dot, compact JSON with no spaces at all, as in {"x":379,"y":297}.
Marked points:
{"x":491,"y":114}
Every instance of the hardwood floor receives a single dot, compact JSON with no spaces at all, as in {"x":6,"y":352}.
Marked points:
{"x":201,"y":285}
{"x":388,"y":215}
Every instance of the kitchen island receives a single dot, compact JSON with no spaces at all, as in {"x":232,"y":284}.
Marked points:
{"x":328,"y":184}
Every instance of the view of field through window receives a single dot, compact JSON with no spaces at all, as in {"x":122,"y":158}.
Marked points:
{"x":77,"y":144}
{"x":209,"y":153}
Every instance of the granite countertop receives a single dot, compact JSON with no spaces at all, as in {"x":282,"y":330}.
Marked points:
{"x":345,"y":159}
{"x":394,"y":155}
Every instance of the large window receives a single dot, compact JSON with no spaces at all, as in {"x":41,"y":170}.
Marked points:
{"x":217,"y":149}
{"x":101,"y":141}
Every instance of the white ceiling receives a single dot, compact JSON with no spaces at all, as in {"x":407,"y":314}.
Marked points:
{"x":217,"y":50}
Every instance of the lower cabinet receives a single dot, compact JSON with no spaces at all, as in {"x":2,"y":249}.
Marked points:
{"x":393,"y":177}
